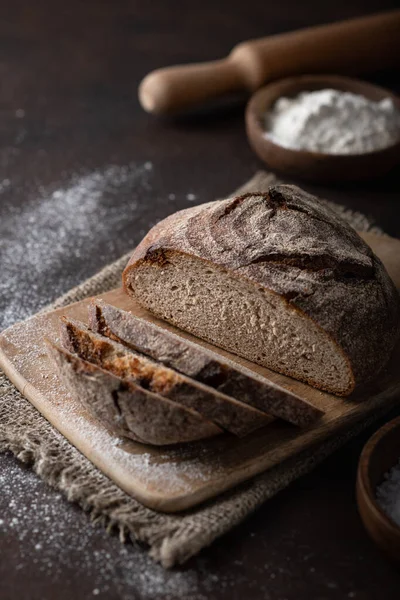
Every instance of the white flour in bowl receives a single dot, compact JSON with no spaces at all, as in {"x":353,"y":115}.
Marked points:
{"x":333,"y":122}
{"x":388,"y":494}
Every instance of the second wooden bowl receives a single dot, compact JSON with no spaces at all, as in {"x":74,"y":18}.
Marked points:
{"x":379,"y":455}
{"x":316,"y":166}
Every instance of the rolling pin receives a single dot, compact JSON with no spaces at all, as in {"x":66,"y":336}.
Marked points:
{"x":361,"y":45}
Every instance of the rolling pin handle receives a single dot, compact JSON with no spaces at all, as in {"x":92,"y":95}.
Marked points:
{"x":174,"y":88}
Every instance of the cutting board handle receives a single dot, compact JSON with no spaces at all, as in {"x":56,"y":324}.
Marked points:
{"x":362,"y":45}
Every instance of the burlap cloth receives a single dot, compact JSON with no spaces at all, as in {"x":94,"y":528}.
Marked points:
{"x":172,"y":539}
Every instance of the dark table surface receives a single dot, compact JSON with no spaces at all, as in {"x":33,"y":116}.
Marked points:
{"x":74,"y":140}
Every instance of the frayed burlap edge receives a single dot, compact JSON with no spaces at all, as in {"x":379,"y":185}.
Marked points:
{"x":172,"y":539}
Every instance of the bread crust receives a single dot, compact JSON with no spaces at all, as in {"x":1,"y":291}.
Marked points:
{"x":291,"y":244}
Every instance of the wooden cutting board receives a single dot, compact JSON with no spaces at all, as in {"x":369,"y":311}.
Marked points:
{"x":175,"y":479}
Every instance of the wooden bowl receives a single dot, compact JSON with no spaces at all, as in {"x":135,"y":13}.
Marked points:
{"x":316,"y":166}
{"x":379,"y":455}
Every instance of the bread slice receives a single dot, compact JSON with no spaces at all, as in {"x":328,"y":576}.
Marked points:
{"x":233,"y":416}
{"x":277,"y":278}
{"x":124,"y":407}
{"x":200,"y":364}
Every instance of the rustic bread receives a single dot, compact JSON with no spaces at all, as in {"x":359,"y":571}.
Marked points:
{"x":199,"y":363}
{"x":125,"y":408}
{"x":276,"y":277}
{"x":232,"y":415}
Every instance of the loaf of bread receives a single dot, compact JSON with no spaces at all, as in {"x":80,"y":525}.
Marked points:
{"x":226,"y":412}
{"x":200,"y":364}
{"x":277,"y":278}
{"x":125,"y":408}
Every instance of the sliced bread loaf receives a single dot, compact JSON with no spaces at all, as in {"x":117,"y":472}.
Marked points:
{"x":232,"y":415}
{"x":125,"y":408}
{"x":200,"y":364}
{"x":277,"y":278}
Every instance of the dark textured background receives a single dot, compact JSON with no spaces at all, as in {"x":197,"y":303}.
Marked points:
{"x":73,"y":68}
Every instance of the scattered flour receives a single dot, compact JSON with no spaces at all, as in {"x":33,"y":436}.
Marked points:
{"x":4,"y":185}
{"x":333,"y":122}
{"x":59,"y":226}
{"x":388,"y":494}
{"x":58,"y":539}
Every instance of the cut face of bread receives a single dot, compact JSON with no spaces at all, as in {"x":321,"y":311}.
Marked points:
{"x":230,"y":312}
{"x":232,"y":415}
{"x":200,"y":363}
{"x":124,"y":407}
{"x":276,"y":277}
